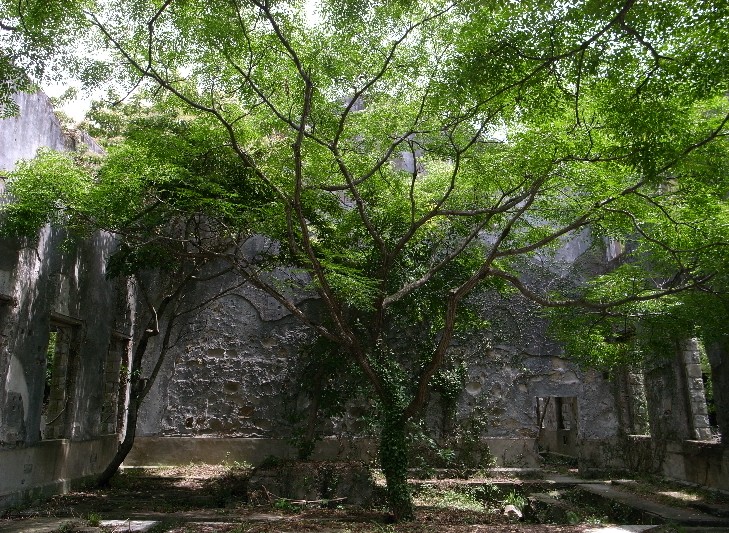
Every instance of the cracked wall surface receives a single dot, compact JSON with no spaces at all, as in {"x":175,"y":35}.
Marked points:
{"x":54,"y":287}
{"x":232,"y":374}
{"x":234,"y":370}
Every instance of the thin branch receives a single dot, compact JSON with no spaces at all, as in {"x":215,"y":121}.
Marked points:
{"x":457,"y":250}
{"x":413,"y":178}
{"x":383,"y":69}
{"x":151,"y":73}
{"x":587,"y":304}
{"x":577,"y":88}
{"x":150,"y":31}
{"x":717,"y":132}
{"x":638,"y":37}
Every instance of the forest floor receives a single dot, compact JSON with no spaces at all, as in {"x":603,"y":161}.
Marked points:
{"x":212,"y":499}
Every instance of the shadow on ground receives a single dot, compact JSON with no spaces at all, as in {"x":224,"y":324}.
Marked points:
{"x":208,"y":499}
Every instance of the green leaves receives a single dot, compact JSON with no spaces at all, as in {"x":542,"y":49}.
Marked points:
{"x":51,"y":188}
{"x":35,"y":35}
{"x":400,"y":149}
{"x":405,"y":155}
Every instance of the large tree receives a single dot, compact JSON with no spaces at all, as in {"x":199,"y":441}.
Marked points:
{"x":411,"y":153}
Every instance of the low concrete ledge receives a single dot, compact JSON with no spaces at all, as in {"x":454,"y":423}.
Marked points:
{"x":703,"y":463}
{"x":172,"y":451}
{"x":51,"y":467}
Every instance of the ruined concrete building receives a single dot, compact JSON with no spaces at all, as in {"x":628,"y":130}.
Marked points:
{"x":228,"y":387}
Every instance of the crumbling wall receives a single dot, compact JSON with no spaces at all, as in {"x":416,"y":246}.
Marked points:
{"x":718,"y":353}
{"x":36,"y":126}
{"x":229,"y":372}
{"x":675,"y":390}
{"x":682,"y":444}
{"x":233,"y":373}
{"x":54,"y":290}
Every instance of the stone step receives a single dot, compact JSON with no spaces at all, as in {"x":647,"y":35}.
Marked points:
{"x":666,"y":513}
{"x":715,"y":509}
{"x":488,"y":473}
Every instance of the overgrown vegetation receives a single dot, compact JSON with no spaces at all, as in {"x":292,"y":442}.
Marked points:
{"x":184,"y":499}
{"x":401,"y":156}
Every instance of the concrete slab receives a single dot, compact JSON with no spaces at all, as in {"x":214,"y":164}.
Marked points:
{"x":129,"y":525}
{"x":529,"y":473}
{"x":52,"y":525}
{"x":36,"y":525}
{"x":716,"y":509}
{"x":704,"y":530}
{"x":565,"y":479}
{"x":674,"y":515}
{"x":620,"y":529}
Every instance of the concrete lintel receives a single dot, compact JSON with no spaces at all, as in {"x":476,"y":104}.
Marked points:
{"x":65,"y":319}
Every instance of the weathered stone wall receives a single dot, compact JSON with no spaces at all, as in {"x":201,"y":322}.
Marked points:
{"x":55,"y":288}
{"x":230,"y":380}
{"x":230,"y":370}
{"x":233,"y":372}
{"x":700,"y":462}
{"x":682,"y":444}
{"x":36,"y":126}
{"x":677,"y":405}
{"x":718,"y":353}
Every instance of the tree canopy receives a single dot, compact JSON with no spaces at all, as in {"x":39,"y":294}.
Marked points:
{"x":405,"y":154}
{"x":37,"y":39}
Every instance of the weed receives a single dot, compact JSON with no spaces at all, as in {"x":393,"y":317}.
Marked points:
{"x":271,"y":461}
{"x":235,"y":465}
{"x":67,"y":527}
{"x":515,"y":499}
{"x":464,"y":499}
{"x":287,"y":506}
{"x":572,"y":517}
{"x":486,"y":492}
{"x":93,"y":519}
{"x":596,"y":520}
{"x":166,"y":525}
{"x":243,"y":528}
{"x":672,"y":528}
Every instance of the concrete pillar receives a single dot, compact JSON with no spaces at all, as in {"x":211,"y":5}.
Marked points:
{"x":631,"y":402}
{"x":676,"y":399}
{"x":718,"y":353}
{"x":699,"y":415}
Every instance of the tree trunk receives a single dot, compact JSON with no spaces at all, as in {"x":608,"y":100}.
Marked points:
{"x":136,"y":394}
{"x":139,"y":387}
{"x":125,"y":446}
{"x":394,"y":461}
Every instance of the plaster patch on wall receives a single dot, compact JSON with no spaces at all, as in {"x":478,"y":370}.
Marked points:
{"x":16,"y":382}
{"x":473,"y":388}
{"x":7,"y":282}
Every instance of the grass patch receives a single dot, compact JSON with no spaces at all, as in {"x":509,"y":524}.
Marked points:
{"x":463,"y":499}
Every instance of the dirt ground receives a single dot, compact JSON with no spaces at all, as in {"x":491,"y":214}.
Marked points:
{"x":206,"y":499}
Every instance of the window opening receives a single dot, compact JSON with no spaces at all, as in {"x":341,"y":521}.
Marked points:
{"x":115,"y":371}
{"x":707,"y":379}
{"x":640,"y":424}
{"x":56,"y":393}
{"x":50,"y":356}
{"x":558,"y":424}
